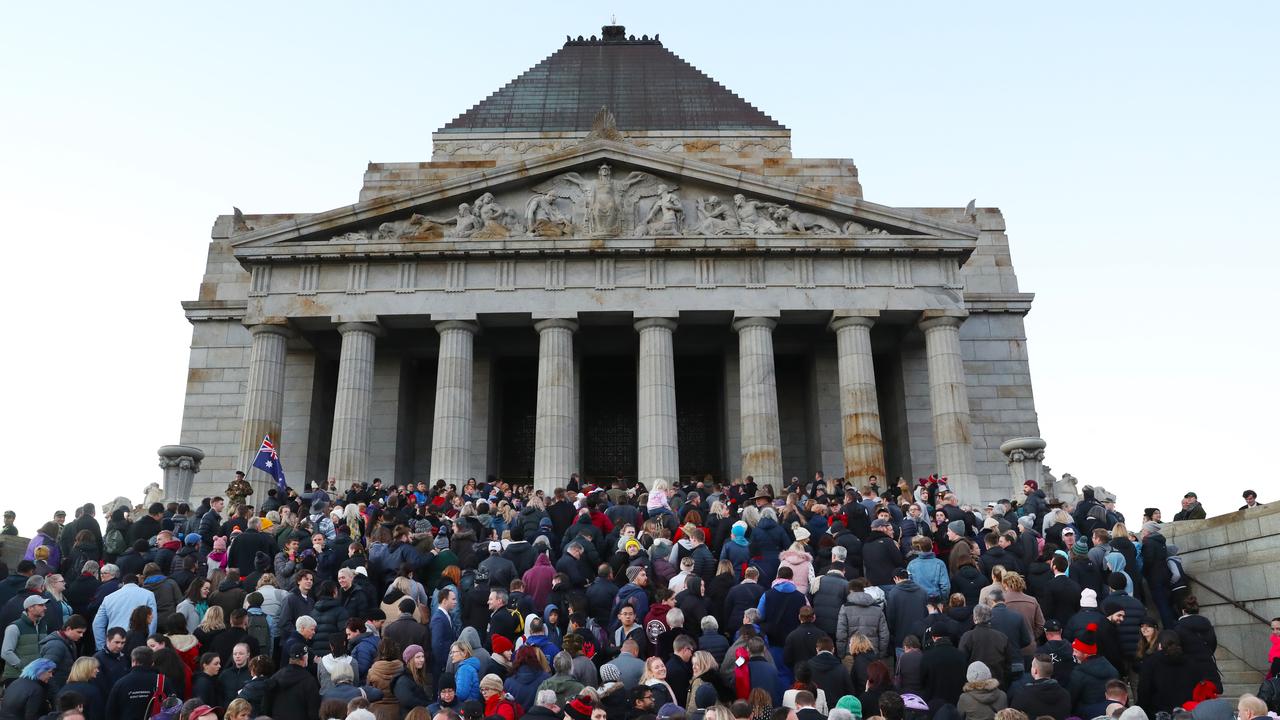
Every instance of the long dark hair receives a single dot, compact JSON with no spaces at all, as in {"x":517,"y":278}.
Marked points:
{"x":1169,"y":642}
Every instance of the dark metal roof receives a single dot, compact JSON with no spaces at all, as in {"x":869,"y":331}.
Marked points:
{"x":644,"y":85}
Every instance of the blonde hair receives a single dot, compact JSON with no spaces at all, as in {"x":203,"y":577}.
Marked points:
{"x":859,"y":644}
{"x":267,"y":579}
{"x":237,"y":706}
{"x":82,"y":670}
{"x":1119,"y":530}
{"x":1013,"y":581}
{"x":464,"y":647}
{"x":702,"y":662}
{"x":213,"y":619}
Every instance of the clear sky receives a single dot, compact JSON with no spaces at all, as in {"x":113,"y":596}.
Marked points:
{"x":1131,"y":146}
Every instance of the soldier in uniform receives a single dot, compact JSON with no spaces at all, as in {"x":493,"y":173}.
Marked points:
{"x":238,"y":490}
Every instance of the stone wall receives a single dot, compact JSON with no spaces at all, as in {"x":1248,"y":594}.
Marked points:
{"x":1238,"y":555}
{"x":212,"y":416}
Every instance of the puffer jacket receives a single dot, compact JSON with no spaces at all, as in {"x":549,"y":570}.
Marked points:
{"x":768,"y":540}
{"x":1130,"y":630}
{"x":968,"y":580}
{"x":828,"y":598}
{"x":62,"y":652}
{"x":331,"y":617}
{"x":861,"y":615}
{"x":801,"y":564}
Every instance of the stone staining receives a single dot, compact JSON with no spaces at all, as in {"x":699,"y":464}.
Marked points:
{"x":659,"y":457}
{"x":451,"y":434}
{"x":758,"y":393}
{"x":264,"y":397}
{"x":555,"y":453}
{"x":949,"y":400}
{"x":859,"y":405}
{"x":349,"y":449}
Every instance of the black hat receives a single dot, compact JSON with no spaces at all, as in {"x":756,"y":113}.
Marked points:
{"x":1051,"y":625}
{"x":296,"y":650}
{"x":447,"y":681}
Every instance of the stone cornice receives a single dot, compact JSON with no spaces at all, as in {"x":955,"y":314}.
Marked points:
{"x":897,"y":245}
{"x":1017,"y":303}
{"x":200,"y":310}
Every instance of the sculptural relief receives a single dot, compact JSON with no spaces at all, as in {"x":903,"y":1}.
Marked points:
{"x":853,"y":227}
{"x":665,"y":216}
{"x":543,"y":219}
{"x":802,"y":222}
{"x":606,"y":203}
{"x":756,"y":217}
{"x":714,"y":218}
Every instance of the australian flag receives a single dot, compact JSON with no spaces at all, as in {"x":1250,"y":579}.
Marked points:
{"x":268,"y":461}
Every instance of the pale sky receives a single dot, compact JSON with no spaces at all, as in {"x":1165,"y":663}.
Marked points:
{"x":1131,"y":147}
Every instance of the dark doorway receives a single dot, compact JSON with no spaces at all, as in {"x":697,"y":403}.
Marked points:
{"x":517,"y":406}
{"x":698,"y":413}
{"x":608,"y":430}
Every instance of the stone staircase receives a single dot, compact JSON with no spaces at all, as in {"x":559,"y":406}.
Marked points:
{"x":1238,"y":676}
{"x":1234,"y":560}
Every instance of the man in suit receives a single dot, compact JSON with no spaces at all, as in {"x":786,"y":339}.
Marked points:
{"x":443,"y":633}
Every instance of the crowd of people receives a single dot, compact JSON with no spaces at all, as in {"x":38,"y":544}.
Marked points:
{"x":692,"y":600}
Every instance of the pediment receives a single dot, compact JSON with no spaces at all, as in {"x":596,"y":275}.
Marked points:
{"x":599,"y":190}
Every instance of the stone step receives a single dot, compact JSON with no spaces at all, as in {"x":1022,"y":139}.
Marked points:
{"x":1242,"y":678}
{"x":1234,"y":665}
{"x":1234,"y":691}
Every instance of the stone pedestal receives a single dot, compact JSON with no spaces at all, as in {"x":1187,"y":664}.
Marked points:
{"x":555,"y":449}
{"x":758,"y":401}
{"x":1025,"y":456}
{"x":659,"y":456}
{"x":349,"y":449}
{"x":180,"y":464}
{"x":451,"y":432}
{"x":949,"y":401}
{"x":859,"y":407}
{"x":263,"y":401}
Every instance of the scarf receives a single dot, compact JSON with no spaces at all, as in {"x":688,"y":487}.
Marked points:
{"x":741,"y":674}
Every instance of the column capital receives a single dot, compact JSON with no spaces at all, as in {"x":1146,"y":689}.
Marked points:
{"x":853,"y":318}
{"x":655,"y":322}
{"x":556,"y":323}
{"x":280,"y":329}
{"x":748,"y":322}
{"x":463,"y":325}
{"x":349,"y":327}
{"x":930,"y":319}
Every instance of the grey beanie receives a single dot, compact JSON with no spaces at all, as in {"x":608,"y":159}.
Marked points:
{"x":956,"y":526}
{"x":977,"y":672}
{"x":1028,"y":522}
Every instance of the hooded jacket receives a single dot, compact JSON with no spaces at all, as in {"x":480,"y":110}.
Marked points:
{"x":167,"y":594}
{"x":981,"y":700}
{"x":905,"y":604}
{"x":861,"y":615}
{"x":881,"y":556}
{"x":537,"y":581}
{"x":1040,"y":698}
{"x":780,"y":611}
{"x":801,"y":564}
{"x":1089,"y":683}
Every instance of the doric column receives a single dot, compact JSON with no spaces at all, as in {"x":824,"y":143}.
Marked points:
{"x":263,"y":403}
{"x":758,"y":404}
{"x":949,"y":398}
{"x":555,"y":449}
{"x":349,"y":449}
{"x":859,"y":407}
{"x":451,"y":433}
{"x":659,"y":454}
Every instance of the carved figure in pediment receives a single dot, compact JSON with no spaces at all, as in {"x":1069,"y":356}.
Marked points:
{"x":388,"y":232}
{"x":604,"y":207}
{"x":492,"y":218}
{"x":755,"y":216}
{"x":465,"y":223}
{"x":798,"y":221}
{"x":714,"y":218}
{"x":853,"y":227}
{"x":666,"y":215}
{"x":351,"y":237}
{"x":420,"y":227}
{"x":543,"y":218}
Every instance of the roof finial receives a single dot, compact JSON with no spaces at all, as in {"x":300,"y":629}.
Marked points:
{"x":613,"y":33}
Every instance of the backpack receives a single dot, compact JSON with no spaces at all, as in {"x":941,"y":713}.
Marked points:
{"x":114,"y":543}
{"x":161,"y":706}
{"x":519,"y":616}
{"x":1269,"y":693}
{"x":1177,"y":575}
{"x":517,"y":710}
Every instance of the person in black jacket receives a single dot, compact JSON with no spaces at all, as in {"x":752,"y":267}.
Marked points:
{"x":293,"y":693}
{"x":204,"y":684}
{"x":802,"y":643}
{"x":131,"y":694}
{"x":881,"y":554}
{"x":828,"y":673}
{"x":1062,"y":594}
{"x":745,"y":594}
{"x":1043,"y":696}
{"x":942,"y":671}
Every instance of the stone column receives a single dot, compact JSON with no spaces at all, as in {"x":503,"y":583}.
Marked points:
{"x":659,"y":453}
{"x":349,"y":448}
{"x":263,"y":402}
{"x":949,"y":399}
{"x":451,"y":431}
{"x":180,"y":464}
{"x":1025,"y":456}
{"x":859,"y":407}
{"x":758,"y":393}
{"x":555,"y":449}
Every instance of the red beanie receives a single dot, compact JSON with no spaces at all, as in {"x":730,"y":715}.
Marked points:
{"x":1087,"y":643}
{"x":501,"y":644}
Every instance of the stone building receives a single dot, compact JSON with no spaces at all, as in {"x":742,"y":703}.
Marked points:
{"x":612,"y":264}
